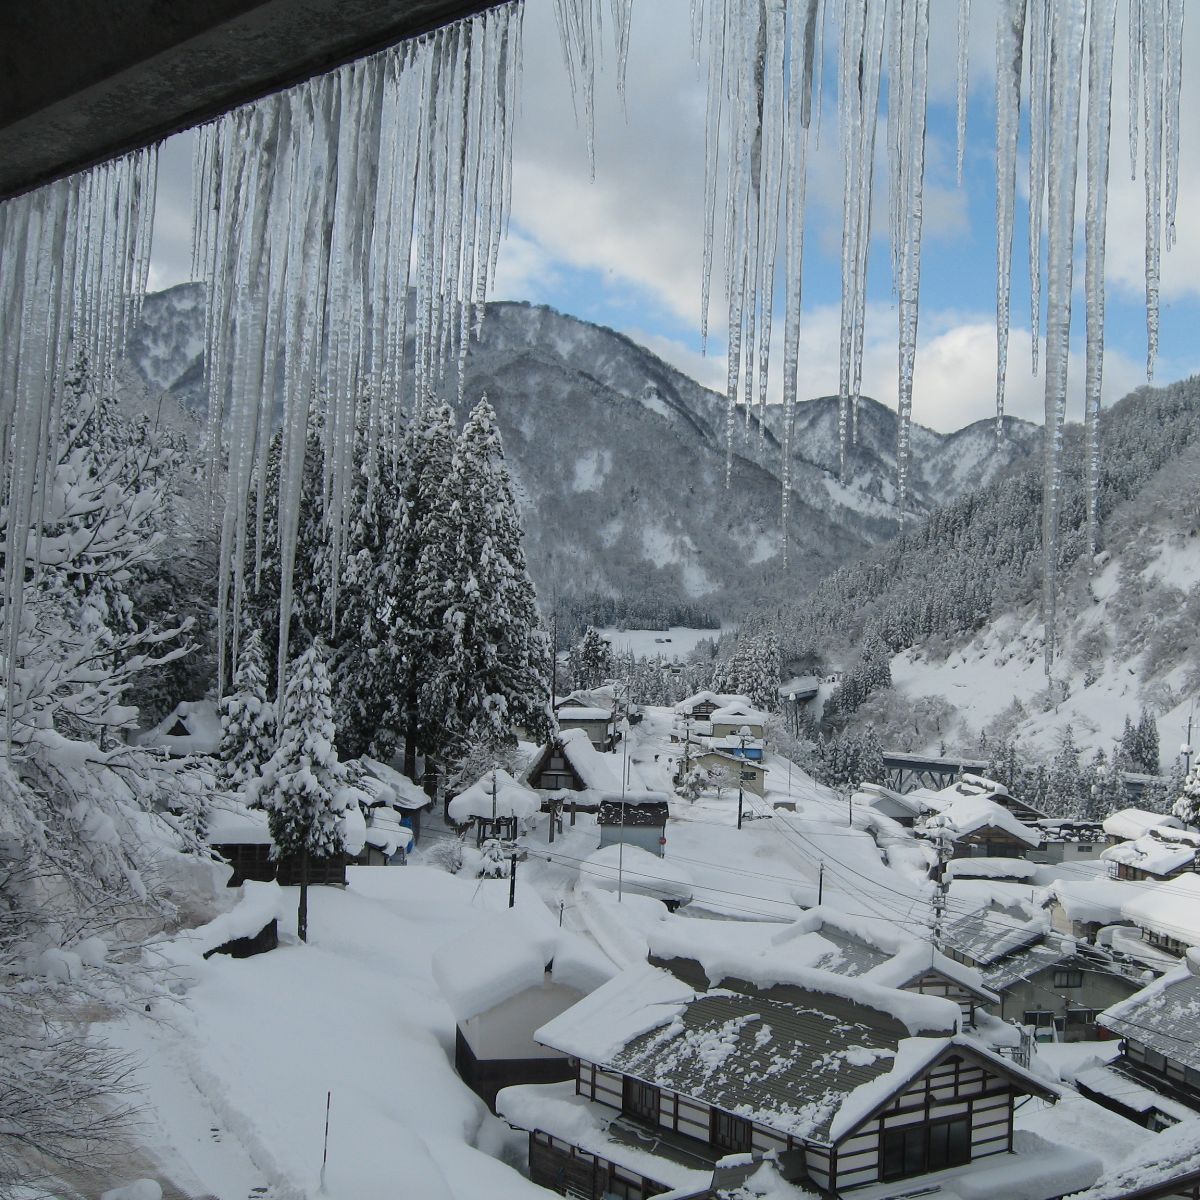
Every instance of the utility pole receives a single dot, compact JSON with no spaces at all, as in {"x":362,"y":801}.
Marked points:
{"x":741,"y":759}
{"x":621,"y":843}
{"x":1187,"y":745}
{"x":943,"y":835}
{"x":512,"y":879}
{"x":821,"y":883}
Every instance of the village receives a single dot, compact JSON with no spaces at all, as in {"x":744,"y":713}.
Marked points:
{"x":670,"y":963}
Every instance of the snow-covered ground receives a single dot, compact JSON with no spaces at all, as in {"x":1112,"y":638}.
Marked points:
{"x":677,"y":642}
{"x":238,"y":1070}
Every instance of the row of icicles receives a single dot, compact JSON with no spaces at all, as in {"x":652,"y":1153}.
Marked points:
{"x":358,"y":213}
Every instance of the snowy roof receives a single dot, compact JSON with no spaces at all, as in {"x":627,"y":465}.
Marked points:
{"x":991,"y":868}
{"x":201,"y":726}
{"x":1130,"y":823}
{"x":407,"y":794}
{"x":575,"y":712}
{"x":1163,"y":1165}
{"x":233,"y":824}
{"x":632,"y":869}
{"x":737,"y":713}
{"x":812,"y":1059}
{"x":495,"y":960}
{"x":1171,"y":909}
{"x":718,"y":699}
{"x":1056,"y":830}
{"x":600,"y":772}
{"x":1093,"y":900}
{"x":1024,"y":963}
{"x":1165,"y":1015}
{"x":968,"y":809}
{"x":875,"y":794}
{"x":1159,"y":851}
{"x":385,"y":832}
{"x":800,"y":686}
{"x":984,"y":937}
{"x":511,"y":799}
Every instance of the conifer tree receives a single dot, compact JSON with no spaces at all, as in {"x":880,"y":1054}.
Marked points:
{"x":870,"y":758}
{"x":301,"y":781}
{"x":247,"y":717}
{"x":1187,"y":804}
{"x":591,"y":660}
{"x":1147,"y":758}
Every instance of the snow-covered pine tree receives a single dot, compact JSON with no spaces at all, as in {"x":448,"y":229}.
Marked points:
{"x":1187,"y":803}
{"x":495,"y":675}
{"x":591,"y":661}
{"x":300,"y":782}
{"x":416,"y":565}
{"x":870,"y":758}
{"x":247,"y":717}
{"x":1062,"y":793}
{"x":1147,"y":744}
{"x":366,"y":668}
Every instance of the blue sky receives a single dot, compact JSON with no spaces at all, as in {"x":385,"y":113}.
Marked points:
{"x":625,"y":248}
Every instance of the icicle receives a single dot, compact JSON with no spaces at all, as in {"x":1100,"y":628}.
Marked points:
{"x":1039,"y":86}
{"x":622,"y":12}
{"x":1135,"y":65}
{"x":1099,"y":117}
{"x":1065,"y":55}
{"x":964,"y":29}
{"x":1153,"y":54}
{"x":1174,"y":52}
{"x":1010,"y":36}
{"x":909,"y":89}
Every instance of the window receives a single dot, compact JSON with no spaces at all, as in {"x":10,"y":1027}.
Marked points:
{"x":639,"y":1100}
{"x":920,"y":1149}
{"x":1068,"y":979}
{"x":730,"y":1133}
{"x":1039,"y":1018}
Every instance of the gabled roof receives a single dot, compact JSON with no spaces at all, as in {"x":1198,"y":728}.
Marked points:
{"x":738,"y":712}
{"x":598,"y":771}
{"x":1159,"y":851}
{"x":969,"y":809}
{"x":1130,"y":823}
{"x":1171,"y":908}
{"x":1165,"y":1165}
{"x":814,"y":1058}
{"x":719,"y":699}
{"x":1025,"y":963}
{"x":987,"y":936}
{"x":1165,"y":1016}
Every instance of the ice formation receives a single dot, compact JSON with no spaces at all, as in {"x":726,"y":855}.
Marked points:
{"x":74,"y":256}
{"x":335,"y":221}
{"x":343,"y":220}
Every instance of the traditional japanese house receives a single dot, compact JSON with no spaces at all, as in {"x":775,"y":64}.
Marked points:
{"x":1168,"y":914}
{"x":978,"y":825}
{"x":1043,"y":980}
{"x":1155,"y":1080}
{"x":1160,"y":853}
{"x":570,"y":772}
{"x":852,"y":1085}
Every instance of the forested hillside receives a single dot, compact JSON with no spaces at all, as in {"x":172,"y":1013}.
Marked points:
{"x":980,"y":556}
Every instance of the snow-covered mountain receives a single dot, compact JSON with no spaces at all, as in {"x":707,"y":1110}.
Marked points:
{"x":620,"y":463}
{"x":958,"y":601}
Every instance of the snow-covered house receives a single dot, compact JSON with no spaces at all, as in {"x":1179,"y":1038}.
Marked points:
{"x":495,"y":804}
{"x":1155,"y":1080}
{"x":751,"y":774}
{"x":570,"y":763}
{"x":738,"y":720}
{"x":503,"y":979}
{"x":1043,"y":980}
{"x":1168,"y":914}
{"x":408,"y":799}
{"x":1065,"y":841}
{"x":905,"y":808}
{"x":1159,"y":853}
{"x":637,"y":819}
{"x":978,"y":824}
{"x":191,"y":727}
{"x":1084,"y":908}
{"x":852,"y":1085}
{"x":1164,"y":1167}
{"x":595,"y":712}
{"x":1130,"y":823}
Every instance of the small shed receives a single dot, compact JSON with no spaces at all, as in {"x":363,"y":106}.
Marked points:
{"x":191,"y":727}
{"x":637,"y":819}
{"x":241,"y":837}
{"x":1127,"y":824}
{"x":408,"y":799}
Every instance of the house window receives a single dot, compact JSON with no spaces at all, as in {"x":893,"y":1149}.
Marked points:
{"x":729,"y":1133}
{"x":1068,"y":979}
{"x":920,"y":1149}
{"x":1039,"y":1018}
{"x":639,"y":1100}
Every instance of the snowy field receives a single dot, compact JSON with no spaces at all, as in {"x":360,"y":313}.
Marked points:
{"x":674,"y":643}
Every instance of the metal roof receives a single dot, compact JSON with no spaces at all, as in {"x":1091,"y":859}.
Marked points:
{"x":1164,"y":1016}
{"x":782,"y":1056}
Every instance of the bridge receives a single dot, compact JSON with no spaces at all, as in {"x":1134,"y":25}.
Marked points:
{"x":905,"y":772}
{"x":82,"y":82}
